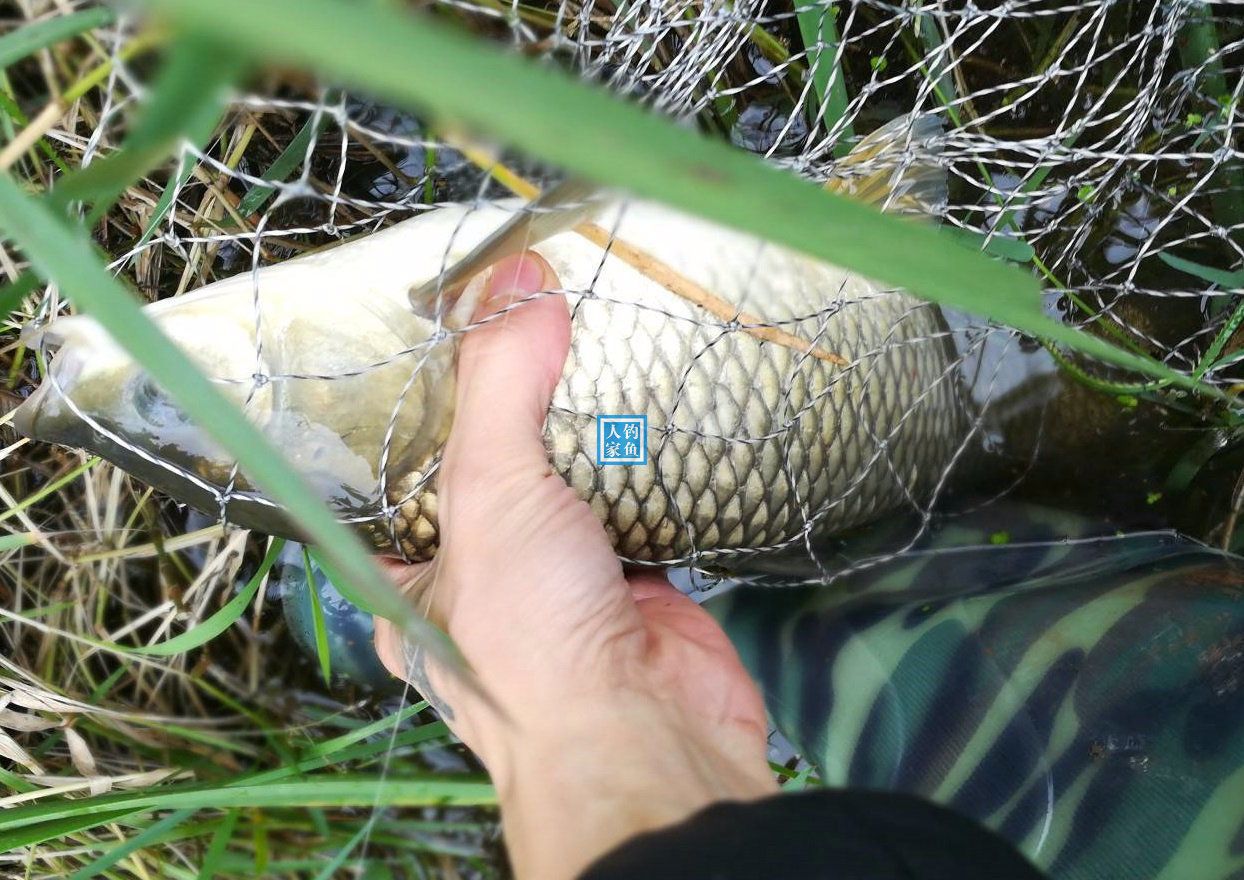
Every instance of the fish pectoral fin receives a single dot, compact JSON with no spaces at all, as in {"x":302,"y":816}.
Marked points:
{"x":553,"y":211}
{"x":896,"y":167}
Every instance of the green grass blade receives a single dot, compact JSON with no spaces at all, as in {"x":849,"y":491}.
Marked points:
{"x":937,"y":70}
{"x":184,"y":169}
{"x":317,"y":758}
{"x":16,"y":45}
{"x":284,"y":164}
{"x":1224,"y":279}
{"x":339,"y":790}
{"x":66,"y":258}
{"x":13,"y":542}
{"x":222,"y":619}
{"x":14,"y":782}
{"x":819,"y":30}
{"x":421,"y":63}
{"x":216,"y":849}
{"x":335,"y":744}
{"x":137,"y":842}
{"x":424,"y":734}
{"x":55,"y":829}
{"x":317,"y":620}
{"x":330,"y":870}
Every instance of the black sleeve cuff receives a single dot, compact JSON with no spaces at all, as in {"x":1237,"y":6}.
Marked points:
{"x":825,"y":834}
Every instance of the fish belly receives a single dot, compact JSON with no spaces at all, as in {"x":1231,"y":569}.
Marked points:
{"x":751,"y":444}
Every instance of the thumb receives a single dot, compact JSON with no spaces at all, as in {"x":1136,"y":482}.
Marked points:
{"x":507,"y":369}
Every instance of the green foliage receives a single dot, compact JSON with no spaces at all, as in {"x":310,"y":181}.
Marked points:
{"x":819,"y":30}
{"x":16,"y":45}
{"x":322,"y":651}
{"x":291,"y":157}
{"x":1224,"y":279}
{"x":222,"y":619}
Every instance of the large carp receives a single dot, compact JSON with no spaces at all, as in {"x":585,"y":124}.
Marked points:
{"x":816,"y":401}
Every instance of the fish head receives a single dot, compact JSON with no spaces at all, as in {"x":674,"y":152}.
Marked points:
{"x":355,"y":389}
{"x":93,"y":388}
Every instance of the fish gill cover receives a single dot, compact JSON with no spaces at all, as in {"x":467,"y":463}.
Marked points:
{"x":1095,"y":145}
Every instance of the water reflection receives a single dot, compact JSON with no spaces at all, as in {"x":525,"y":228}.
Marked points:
{"x":770,"y":127}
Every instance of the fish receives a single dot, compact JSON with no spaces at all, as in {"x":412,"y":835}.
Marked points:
{"x":781,"y":398}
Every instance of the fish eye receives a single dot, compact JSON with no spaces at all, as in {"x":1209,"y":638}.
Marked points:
{"x":153,"y":405}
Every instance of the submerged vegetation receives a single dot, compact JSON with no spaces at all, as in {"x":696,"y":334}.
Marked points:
{"x":155,"y":720}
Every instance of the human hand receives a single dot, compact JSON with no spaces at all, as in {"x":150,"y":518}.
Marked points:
{"x":624,"y":706}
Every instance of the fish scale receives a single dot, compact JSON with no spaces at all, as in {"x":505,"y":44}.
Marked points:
{"x":751,"y":443}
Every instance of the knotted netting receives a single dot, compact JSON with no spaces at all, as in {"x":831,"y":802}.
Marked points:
{"x":1096,"y":144}
{"x":1092,"y":142}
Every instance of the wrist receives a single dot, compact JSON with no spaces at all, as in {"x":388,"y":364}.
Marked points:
{"x":577,"y":788}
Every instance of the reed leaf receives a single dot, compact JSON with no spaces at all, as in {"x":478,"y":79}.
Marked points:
{"x":423,"y":64}
{"x":16,"y":45}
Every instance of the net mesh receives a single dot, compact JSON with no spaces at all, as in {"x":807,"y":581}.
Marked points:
{"x":1096,"y":141}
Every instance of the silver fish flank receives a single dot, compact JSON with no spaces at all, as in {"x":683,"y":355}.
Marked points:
{"x":817,"y":401}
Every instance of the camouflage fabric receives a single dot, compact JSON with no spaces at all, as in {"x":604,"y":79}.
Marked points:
{"x":1082,"y":696}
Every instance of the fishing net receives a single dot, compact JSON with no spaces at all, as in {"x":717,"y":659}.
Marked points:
{"x":1094,"y":143}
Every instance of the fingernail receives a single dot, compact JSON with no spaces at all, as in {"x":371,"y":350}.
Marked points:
{"x":514,"y":277}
